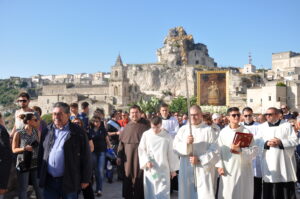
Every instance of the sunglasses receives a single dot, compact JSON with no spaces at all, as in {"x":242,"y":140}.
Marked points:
{"x":24,"y":101}
{"x":269,"y":114}
{"x":247,"y":115}
{"x":35,"y":120}
{"x":236,"y":115}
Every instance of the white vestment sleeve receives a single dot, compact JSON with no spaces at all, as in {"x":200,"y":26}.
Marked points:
{"x":250,"y":152}
{"x":176,"y":128}
{"x":212,"y":154}
{"x":291,"y":140}
{"x":172,"y":158}
{"x":180,"y":143}
{"x":219,"y":164}
{"x":142,"y":151}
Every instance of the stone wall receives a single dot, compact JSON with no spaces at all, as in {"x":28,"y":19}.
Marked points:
{"x":159,"y":78}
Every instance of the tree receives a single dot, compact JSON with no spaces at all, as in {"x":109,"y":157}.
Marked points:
{"x":281,"y":84}
{"x":179,"y":104}
{"x":47,"y":118}
{"x":149,"y":106}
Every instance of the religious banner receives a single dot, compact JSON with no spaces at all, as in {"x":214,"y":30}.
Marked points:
{"x":212,"y":88}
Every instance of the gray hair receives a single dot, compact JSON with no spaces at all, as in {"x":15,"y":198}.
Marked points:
{"x":196,"y":107}
{"x":64,"y":106}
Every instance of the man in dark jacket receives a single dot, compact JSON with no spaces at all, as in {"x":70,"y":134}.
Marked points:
{"x":5,"y":159}
{"x":66,"y":165}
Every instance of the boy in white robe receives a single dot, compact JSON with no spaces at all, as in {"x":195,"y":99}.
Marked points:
{"x":235,"y":170}
{"x":158,"y":160}
{"x":279,"y":142}
{"x":198,"y":155}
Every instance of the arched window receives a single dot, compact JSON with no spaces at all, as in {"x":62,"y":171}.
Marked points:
{"x":116,"y":91}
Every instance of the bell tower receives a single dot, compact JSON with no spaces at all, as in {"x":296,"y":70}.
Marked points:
{"x":119,"y":84}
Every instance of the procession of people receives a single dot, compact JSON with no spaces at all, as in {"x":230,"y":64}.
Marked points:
{"x":154,"y":155}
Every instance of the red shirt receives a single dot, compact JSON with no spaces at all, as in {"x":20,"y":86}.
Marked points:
{"x":123,"y":123}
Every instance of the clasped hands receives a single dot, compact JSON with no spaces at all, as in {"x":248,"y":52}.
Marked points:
{"x":193,"y":159}
{"x":274,"y":142}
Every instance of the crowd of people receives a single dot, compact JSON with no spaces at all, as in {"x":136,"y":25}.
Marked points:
{"x":154,"y":155}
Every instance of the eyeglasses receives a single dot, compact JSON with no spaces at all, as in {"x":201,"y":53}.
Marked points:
{"x":24,"y":101}
{"x":34,"y":120}
{"x":236,"y":115}
{"x":269,"y":114}
{"x":247,"y":115}
{"x":283,"y":108}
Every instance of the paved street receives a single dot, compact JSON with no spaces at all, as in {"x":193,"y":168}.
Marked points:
{"x":114,"y":191}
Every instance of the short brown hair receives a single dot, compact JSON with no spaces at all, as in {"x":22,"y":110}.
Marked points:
{"x":156,"y":120}
{"x":74,"y":105}
{"x":135,"y":107}
{"x":24,"y":94}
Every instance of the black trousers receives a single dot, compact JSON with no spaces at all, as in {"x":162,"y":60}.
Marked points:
{"x":174,"y":183}
{"x":133,"y":190}
{"x":88,"y":192}
{"x":257,"y":188}
{"x":281,"y":190}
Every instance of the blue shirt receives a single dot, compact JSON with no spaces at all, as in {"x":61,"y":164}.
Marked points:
{"x":56,"y":161}
{"x":85,"y":119}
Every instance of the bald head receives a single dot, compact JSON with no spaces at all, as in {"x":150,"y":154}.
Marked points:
{"x":196,"y":115}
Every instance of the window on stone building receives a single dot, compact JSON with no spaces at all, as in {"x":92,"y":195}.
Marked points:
{"x":116,"y":73}
{"x":251,"y":100}
{"x":270,"y":98}
{"x":195,"y":54}
{"x":278,"y":99}
{"x":197,"y":62}
{"x":116,"y":91}
{"x":47,"y":101}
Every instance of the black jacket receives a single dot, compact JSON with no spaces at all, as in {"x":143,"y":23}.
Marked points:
{"x":5,"y":157}
{"x":78,"y":159}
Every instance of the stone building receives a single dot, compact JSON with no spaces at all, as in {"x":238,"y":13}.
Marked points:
{"x":284,"y":65}
{"x":129,"y":83}
{"x":172,"y":51}
{"x":283,"y":86}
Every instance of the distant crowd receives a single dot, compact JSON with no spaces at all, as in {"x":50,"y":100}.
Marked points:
{"x":195,"y":155}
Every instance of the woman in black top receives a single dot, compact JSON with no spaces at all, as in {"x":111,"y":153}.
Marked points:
{"x":25,"y":145}
{"x":98,"y":134}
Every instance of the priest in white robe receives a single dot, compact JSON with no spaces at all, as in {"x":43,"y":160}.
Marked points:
{"x":158,"y":160}
{"x":235,"y":170}
{"x":279,"y":142}
{"x":198,"y":155}
{"x":253,"y":126}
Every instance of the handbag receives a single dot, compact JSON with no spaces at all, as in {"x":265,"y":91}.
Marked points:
{"x":27,"y":163}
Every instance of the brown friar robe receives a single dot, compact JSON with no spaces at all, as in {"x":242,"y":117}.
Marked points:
{"x":128,"y":152}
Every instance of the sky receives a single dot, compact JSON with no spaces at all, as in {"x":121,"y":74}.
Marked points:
{"x":74,"y":36}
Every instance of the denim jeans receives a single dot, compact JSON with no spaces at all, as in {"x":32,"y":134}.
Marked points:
{"x":53,"y":189}
{"x":23,"y":179}
{"x":99,"y":162}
